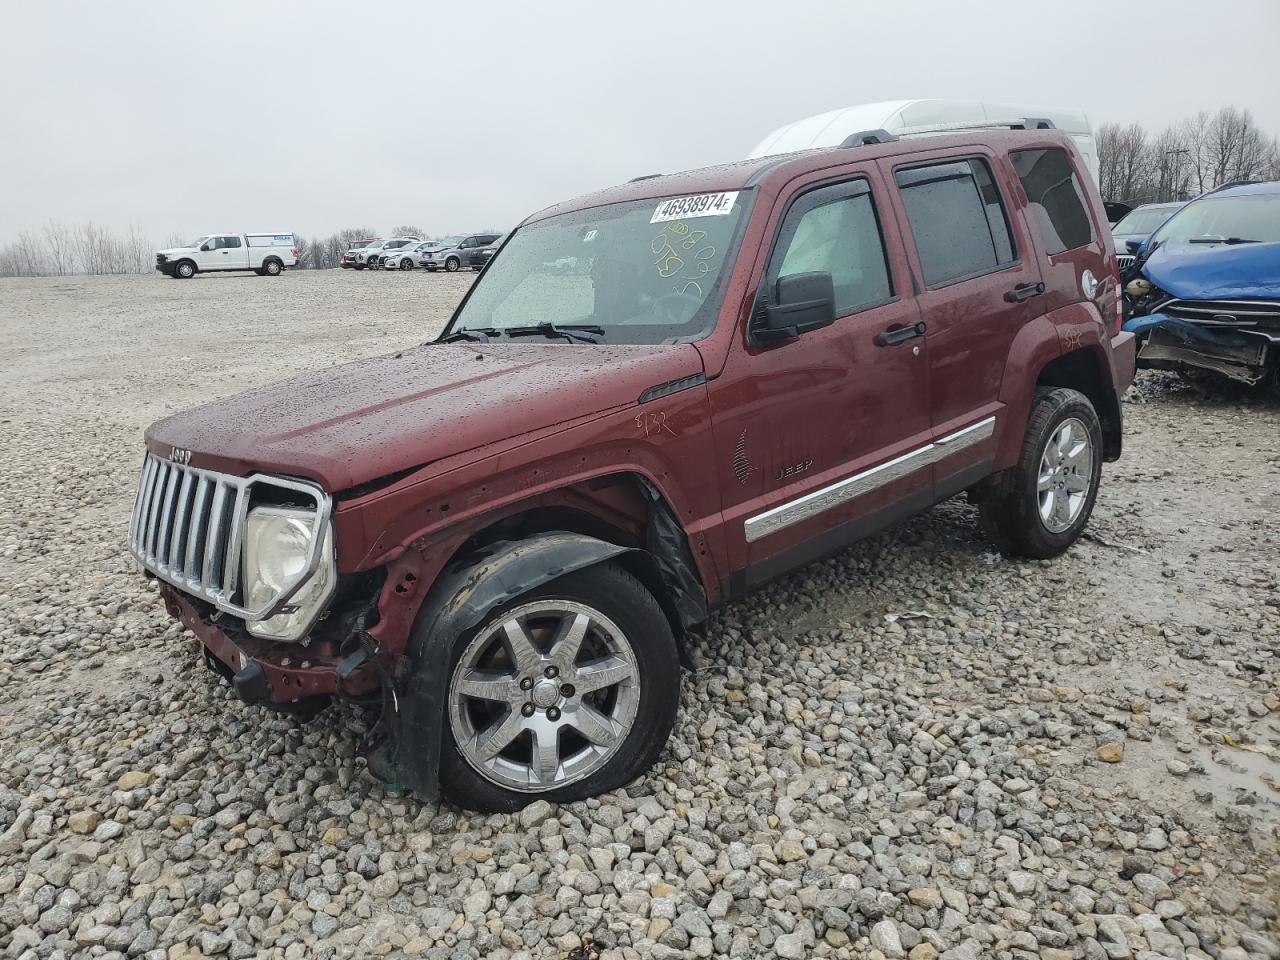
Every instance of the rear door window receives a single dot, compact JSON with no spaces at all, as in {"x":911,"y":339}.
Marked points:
{"x":957,"y":218}
{"x":1055,"y":197}
{"x":835,"y":230}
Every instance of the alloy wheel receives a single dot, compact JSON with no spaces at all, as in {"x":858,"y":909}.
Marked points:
{"x":544,"y":696}
{"x":1066,"y":471}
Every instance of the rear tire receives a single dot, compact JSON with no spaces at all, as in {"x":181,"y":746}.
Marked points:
{"x":1040,"y":506}
{"x":185,"y":270}
{"x":627,"y":628}
{"x":272,"y":267}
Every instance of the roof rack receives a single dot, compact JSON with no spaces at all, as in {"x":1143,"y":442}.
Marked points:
{"x":1233,"y":183}
{"x":647,"y":176}
{"x":866,"y":138}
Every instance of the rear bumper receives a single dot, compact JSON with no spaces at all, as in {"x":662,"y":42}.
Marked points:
{"x":1124,"y":353}
{"x":266,"y":673}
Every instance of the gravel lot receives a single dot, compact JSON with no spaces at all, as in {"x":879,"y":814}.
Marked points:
{"x":1074,"y":759}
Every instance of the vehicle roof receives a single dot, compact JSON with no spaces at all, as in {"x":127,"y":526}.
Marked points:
{"x":773,"y":171}
{"x":1266,"y":189}
{"x":1157,"y":206}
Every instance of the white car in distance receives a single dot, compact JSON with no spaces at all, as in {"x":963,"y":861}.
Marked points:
{"x":406,"y":258}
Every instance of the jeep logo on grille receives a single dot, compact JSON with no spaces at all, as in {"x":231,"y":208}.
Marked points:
{"x":178,"y":455}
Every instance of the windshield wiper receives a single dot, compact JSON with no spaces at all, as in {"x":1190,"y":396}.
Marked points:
{"x":1229,"y":240}
{"x":581,"y":332}
{"x":473,"y":334}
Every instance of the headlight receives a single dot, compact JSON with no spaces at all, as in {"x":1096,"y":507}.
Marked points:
{"x":277,"y":545}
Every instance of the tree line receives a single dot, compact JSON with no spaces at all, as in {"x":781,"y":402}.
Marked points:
{"x":1185,"y":159}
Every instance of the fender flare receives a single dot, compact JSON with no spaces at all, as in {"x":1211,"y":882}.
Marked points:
{"x":458,"y":601}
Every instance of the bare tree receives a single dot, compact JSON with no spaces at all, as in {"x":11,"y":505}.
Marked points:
{"x":139,"y":252}
{"x":1122,"y":155}
{"x":408,"y":230}
{"x":57,"y":241}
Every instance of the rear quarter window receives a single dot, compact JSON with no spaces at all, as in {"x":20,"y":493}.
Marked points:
{"x":957,"y":218}
{"x":1055,"y":198}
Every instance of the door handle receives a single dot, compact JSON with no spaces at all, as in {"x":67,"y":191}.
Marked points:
{"x":887,"y":338}
{"x":1024,"y":291}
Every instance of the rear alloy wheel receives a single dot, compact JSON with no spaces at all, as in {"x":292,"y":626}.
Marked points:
{"x":452,"y":264}
{"x":272,"y":268}
{"x":1040,"y":507}
{"x":566,"y":692}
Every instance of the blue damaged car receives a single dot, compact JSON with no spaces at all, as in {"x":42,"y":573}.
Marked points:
{"x":1204,"y":291}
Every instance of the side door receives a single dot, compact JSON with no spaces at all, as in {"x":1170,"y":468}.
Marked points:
{"x":209,"y":255}
{"x":232,"y":254}
{"x":811,"y":433}
{"x":980,"y":283}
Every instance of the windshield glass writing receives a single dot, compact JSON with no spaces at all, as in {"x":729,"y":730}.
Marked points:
{"x":1225,"y":218}
{"x":640,"y":274}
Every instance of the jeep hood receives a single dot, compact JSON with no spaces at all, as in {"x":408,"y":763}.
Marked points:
{"x":362,"y":421}
{"x":1193,"y":271}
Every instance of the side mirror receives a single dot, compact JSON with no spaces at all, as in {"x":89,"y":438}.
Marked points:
{"x":1133,"y":246}
{"x":801,"y":302}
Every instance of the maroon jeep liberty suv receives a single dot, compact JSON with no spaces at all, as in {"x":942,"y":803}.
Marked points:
{"x":654,"y":399}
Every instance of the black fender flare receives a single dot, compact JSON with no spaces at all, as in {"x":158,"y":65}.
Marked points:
{"x":458,"y":601}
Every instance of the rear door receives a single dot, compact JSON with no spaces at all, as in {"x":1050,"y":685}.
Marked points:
{"x":979,"y":283}
{"x":811,"y":433}
{"x":1073,"y":248}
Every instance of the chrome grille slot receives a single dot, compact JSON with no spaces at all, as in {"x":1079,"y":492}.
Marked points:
{"x":187,"y":528}
{"x":1261,"y":315}
{"x":1124,"y":261}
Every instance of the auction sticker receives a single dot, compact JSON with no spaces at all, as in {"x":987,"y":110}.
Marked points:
{"x":702,"y":205}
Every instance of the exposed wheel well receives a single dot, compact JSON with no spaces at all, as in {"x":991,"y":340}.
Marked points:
{"x":639,"y":513}
{"x":1082,"y":370}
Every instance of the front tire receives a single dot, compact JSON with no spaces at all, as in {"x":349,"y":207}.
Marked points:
{"x":1040,"y":506}
{"x":406,"y":264}
{"x":185,"y":270}
{"x":563,"y":693}
{"x":451,"y":264}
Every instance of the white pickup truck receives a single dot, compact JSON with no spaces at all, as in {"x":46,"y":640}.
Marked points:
{"x":266,"y":254}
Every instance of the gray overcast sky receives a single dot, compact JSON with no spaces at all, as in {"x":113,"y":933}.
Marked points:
{"x":312,"y":116}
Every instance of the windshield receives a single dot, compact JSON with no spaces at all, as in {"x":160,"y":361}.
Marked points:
{"x":1142,"y":221}
{"x":198,"y":240}
{"x":397,"y":244}
{"x":644,"y":271}
{"x":1213,"y":219}
{"x":359,"y":243}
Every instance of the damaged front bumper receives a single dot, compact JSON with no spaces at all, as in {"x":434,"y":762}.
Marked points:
{"x":284,"y":677}
{"x":1169,"y":341}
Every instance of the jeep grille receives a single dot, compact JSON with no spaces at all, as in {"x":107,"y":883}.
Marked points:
{"x":188,"y":524}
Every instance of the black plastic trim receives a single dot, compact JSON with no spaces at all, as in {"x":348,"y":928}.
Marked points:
{"x":673,"y":386}
{"x":845,"y":534}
